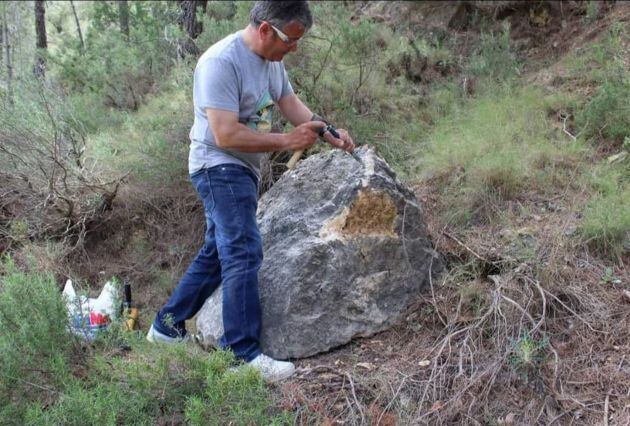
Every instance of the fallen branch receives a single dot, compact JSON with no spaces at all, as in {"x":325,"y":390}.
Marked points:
{"x":564,"y":126}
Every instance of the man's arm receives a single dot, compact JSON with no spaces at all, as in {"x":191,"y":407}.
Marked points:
{"x":294,"y":110}
{"x":230,"y":134}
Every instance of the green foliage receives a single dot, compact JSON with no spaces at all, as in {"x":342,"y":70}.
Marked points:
{"x":606,"y":222}
{"x":35,"y":344}
{"x":232,"y":397}
{"x":151,"y":146}
{"x":443,"y":99}
{"x":18,"y":229}
{"x":131,"y":68}
{"x":45,"y":377}
{"x":436,"y":52}
{"x":337,"y":74}
{"x":592,"y":11}
{"x":161,"y":384}
{"x":222,"y":18}
{"x":43,"y":145}
{"x":527,"y":354}
{"x":491,"y":149}
{"x":129,"y":390}
{"x":493,"y":58}
{"x":609,"y":277}
{"x":607,"y":114}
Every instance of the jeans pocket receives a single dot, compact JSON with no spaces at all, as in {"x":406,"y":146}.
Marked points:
{"x":236,"y":170}
{"x":201,"y":183}
{"x":197,"y":173}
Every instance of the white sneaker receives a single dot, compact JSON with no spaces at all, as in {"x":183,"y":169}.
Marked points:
{"x":271,"y":369}
{"x":155,"y":336}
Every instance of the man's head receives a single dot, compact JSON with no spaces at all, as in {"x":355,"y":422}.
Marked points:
{"x":279,"y":26}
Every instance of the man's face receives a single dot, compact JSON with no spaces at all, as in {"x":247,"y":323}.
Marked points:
{"x":278,"y":42}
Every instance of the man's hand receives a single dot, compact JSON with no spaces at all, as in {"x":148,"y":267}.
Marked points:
{"x":303,"y":136}
{"x":344,"y":141}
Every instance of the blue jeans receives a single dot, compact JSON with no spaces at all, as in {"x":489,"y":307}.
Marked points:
{"x":231,"y":254}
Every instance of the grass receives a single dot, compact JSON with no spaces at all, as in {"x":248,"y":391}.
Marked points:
{"x":494,"y":148}
{"x":151,"y":145}
{"x":606,"y":222}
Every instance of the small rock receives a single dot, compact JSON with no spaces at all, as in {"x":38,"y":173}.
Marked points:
{"x":368,"y":366}
{"x":437,"y":405}
{"x":508,"y":420}
{"x":617,"y":157}
{"x":507,"y":234}
{"x":570,"y":230}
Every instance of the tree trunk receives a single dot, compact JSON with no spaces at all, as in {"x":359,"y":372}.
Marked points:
{"x":40,"y":31}
{"x":1,"y":44}
{"x":188,"y":22}
{"x":7,"y":56}
{"x":188,"y":17}
{"x":76,"y":19}
{"x":123,"y":17}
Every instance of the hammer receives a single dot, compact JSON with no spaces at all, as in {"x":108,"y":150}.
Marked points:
{"x":297,"y":154}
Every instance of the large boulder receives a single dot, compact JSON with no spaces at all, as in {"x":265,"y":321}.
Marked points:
{"x":345,"y":250}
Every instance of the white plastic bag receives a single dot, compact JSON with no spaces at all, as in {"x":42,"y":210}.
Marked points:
{"x":89,"y":316}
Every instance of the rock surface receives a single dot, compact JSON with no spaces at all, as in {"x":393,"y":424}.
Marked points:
{"x":345,"y":249}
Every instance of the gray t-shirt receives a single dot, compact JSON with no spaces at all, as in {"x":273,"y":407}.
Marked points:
{"x":229,"y":76}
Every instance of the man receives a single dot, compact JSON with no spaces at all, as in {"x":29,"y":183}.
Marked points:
{"x":237,"y":82}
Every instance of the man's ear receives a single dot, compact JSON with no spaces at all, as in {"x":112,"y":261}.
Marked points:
{"x":265,"y":31}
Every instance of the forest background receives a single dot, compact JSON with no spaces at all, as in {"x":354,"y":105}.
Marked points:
{"x":511,"y":121}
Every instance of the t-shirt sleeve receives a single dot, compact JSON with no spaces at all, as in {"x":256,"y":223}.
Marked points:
{"x":216,"y":85}
{"x":287,"y":89}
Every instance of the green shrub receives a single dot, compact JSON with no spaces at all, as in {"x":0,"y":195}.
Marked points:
{"x":493,"y":58}
{"x":47,"y":379}
{"x":493,"y":148}
{"x":337,"y":74}
{"x":528,"y":354}
{"x":46,"y":177}
{"x":221,"y":19}
{"x":592,"y":11}
{"x":606,"y":115}
{"x":233,"y":398}
{"x":606,"y":222}
{"x":152,"y":145}
{"x":131,"y":68}
{"x":158,"y":385}
{"x":138,"y":389}
{"x":35,"y":343}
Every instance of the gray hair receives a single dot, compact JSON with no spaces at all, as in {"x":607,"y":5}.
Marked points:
{"x":280,"y":13}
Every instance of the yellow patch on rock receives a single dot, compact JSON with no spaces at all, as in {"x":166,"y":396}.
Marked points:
{"x":371,"y":213}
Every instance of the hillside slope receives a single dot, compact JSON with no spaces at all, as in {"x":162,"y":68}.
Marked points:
{"x":510,"y":120}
